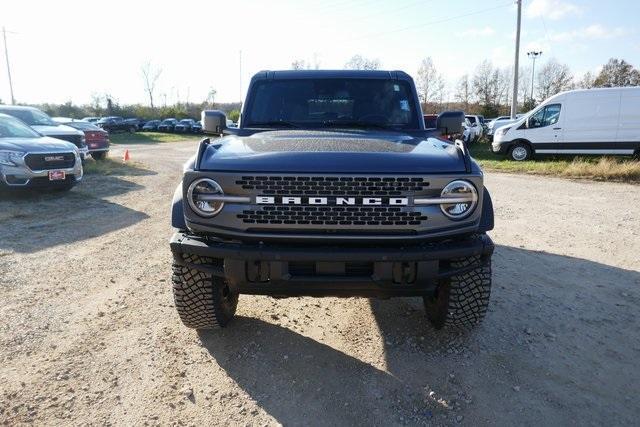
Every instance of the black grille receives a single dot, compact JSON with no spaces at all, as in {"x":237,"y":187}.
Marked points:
{"x":331,"y":215}
{"x":39,"y":162}
{"x":333,"y":186}
{"x":74,"y":139}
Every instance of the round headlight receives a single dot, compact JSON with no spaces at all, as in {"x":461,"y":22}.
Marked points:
{"x":464,"y":195}
{"x":204,"y":197}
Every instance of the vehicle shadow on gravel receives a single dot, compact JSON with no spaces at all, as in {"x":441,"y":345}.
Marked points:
{"x":560,"y":335}
{"x":559,"y":344}
{"x":32,"y":221}
{"x":300,"y":381}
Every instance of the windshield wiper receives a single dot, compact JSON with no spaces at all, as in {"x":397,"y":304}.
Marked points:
{"x":274,"y":123}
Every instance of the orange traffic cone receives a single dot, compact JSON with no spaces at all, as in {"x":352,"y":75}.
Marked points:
{"x":126,"y":156}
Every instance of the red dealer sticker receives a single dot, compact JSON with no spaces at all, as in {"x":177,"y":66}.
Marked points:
{"x":57,"y":175}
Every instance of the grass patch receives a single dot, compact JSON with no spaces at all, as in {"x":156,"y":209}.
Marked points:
{"x":114,"y":167}
{"x":596,"y":168}
{"x":151,"y":137}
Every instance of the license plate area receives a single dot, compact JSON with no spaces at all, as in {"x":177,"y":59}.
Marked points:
{"x":57,"y":175}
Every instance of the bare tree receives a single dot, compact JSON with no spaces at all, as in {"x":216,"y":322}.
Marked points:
{"x":95,"y":105}
{"x":211,"y":98}
{"x":430,"y":83}
{"x":524,"y":83}
{"x":463,"y":92}
{"x":299,"y":64}
{"x":553,"y":78}
{"x":587,"y":81}
{"x":150,"y":77}
{"x":359,"y":62}
{"x":616,"y":73}
{"x":503,"y":87}
{"x":485,"y":83}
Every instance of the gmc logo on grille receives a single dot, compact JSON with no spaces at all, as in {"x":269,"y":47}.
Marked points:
{"x":338,"y":201}
{"x":54,"y":158}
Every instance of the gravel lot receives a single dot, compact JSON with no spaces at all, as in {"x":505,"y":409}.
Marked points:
{"x":89,"y":334}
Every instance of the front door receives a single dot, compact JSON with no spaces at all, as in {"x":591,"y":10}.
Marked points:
{"x":544,"y":129}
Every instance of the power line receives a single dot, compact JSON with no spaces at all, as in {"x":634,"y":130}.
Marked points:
{"x":6,"y":55}
{"x":514,"y":96}
{"x":434,"y":22}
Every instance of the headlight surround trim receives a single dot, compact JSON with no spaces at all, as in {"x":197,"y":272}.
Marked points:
{"x":217,"y":190}
{"x":453,"y":188}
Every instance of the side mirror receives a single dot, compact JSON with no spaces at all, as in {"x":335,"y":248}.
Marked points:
{"x":450,"y":122}
{"x":213,"y":122}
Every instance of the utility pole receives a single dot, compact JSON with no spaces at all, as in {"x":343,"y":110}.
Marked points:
{"x":240,"y":75}
{"x":533,"y":55}
{"x":6,"y":55}
{"x":514,"y":98}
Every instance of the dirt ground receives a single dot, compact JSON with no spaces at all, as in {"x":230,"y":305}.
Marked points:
{"x":89,"y":334}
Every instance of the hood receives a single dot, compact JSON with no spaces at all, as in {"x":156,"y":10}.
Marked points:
{"x":36,"y":145}
{"x":57,"y":130}
{"x":349,"y":151}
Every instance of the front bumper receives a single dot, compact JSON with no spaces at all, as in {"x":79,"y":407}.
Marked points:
{"x":499,"y":146}
{"x":298,"y":270}
{"x":22,"y":176}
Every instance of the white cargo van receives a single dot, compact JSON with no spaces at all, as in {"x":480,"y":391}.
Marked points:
{"x":590,"y":121}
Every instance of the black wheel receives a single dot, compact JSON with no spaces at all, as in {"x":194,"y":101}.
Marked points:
{"x":202,"y":300}
{"x":520,"y":152}
{"x":132,"y":129}
{"x":99,"y":155}
{"x":462,"y":300}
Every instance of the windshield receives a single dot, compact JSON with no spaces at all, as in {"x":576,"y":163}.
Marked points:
{"x":31,"y":117}
{"x":12,"y":128}
{"x":83,"y":126}
{"x":333,"y":102}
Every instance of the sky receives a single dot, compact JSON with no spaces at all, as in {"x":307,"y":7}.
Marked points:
{"x":64,"y":50}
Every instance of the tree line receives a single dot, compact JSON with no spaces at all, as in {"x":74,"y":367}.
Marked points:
{"x":488,"y":89}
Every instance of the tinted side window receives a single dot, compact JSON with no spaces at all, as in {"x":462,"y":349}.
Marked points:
{"x":546,"y":116}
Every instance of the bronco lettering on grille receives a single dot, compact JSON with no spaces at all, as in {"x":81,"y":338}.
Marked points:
{"x":366,"y":201}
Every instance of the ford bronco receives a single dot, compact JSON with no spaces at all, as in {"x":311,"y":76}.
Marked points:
{"x":332,"y":186}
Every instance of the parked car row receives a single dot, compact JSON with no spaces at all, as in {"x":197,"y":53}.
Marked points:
{"x":31,"y":159}
{"x":113,"y":124}
{"x":174,"y":125}
{"x":96,"y":139}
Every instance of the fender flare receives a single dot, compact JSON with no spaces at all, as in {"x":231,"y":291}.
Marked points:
{"x":486,"y":219}
{"x":177,"y":210}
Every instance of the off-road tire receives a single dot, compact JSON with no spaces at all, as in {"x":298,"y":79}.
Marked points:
{"x":461,"y":301}
{"x":202,"y":300}
{"x":99,"y":155}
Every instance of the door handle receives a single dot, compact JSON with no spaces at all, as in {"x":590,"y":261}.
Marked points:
{"x":557,"y":128}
